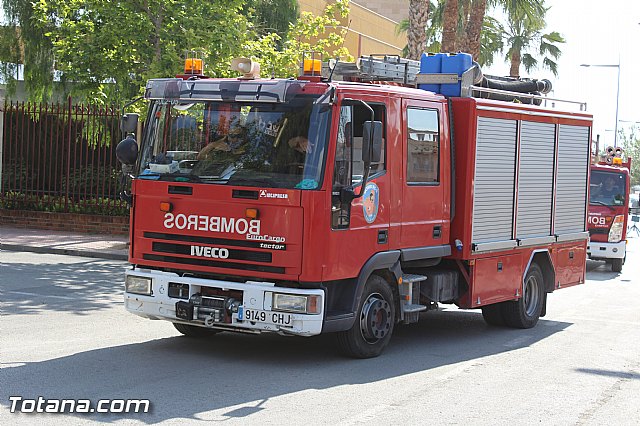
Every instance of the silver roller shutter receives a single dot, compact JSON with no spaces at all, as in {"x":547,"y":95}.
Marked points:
{"x":494,"y":180}
{"x":571,"y":186}
{"x":535,"y":180}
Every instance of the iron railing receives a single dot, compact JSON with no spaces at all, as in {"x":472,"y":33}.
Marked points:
{"x":60,"y":157}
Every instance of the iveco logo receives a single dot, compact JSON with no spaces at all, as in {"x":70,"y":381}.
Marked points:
{"x":214,"y":252}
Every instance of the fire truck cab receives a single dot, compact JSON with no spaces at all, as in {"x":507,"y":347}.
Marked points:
{"x":609,"y":190}
{"x":316,"y":205}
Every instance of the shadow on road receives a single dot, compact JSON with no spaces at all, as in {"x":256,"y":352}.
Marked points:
{"x":183,"y":377}
{"x":81,"y":287}
{"x":610,"y":373}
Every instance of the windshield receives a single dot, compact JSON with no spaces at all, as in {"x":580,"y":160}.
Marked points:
{"x":607,"y":188}
{"x":278,"y":145}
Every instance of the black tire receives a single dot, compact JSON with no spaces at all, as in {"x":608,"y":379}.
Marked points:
{"x":374,"y":323}
{"x":195,"y":332}
{"x":616,"y":265}
{"x":492,"y":314}
{"x":525,"y":312}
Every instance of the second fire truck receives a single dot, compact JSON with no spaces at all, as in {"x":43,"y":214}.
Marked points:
{"x":608,"y":208}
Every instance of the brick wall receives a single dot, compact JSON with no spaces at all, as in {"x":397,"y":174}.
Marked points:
{"x":85,"y":223}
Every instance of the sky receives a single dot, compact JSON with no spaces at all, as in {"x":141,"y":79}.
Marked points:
{"x":599,"y":33}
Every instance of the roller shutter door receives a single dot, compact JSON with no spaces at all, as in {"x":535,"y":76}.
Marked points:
{"x":571,"y":188}
{"x":494,"y":180}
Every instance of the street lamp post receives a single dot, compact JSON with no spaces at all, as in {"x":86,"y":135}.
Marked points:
{"x":615,"y":136}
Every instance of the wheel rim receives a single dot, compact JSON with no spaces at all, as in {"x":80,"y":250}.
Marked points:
{"x":375,"y":319}
{"x":531,"y":295}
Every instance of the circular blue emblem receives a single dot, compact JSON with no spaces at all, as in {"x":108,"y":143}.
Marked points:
{"x":370,"y":200}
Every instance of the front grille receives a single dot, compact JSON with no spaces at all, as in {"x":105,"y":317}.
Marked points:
{"x":214,"y":241}
{"x":214,"y":263}
{"x":599,"y":231}
{"x":235,"y":254}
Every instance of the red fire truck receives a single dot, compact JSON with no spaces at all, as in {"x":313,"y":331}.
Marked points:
{"x":608,"y":208}
{"x":321,"y":205}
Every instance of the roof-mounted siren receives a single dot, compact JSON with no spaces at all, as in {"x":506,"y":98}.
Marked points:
{"x":613,"y":156}
{"x":249,"y":69}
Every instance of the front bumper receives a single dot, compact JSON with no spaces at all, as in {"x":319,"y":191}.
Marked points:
{"x":256,"y":296}
{"x":599,"y":250}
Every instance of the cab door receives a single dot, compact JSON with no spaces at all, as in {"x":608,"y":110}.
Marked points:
{"x":359,"y":227}
{"x":425,"y":193}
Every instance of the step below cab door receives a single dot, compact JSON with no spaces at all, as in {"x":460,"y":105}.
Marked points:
{"x":426,"y":161}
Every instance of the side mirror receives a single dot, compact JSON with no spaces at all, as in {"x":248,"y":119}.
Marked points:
{"x":127,"y":151}
{"x":374,"y":144}
{"x":129,"y":123}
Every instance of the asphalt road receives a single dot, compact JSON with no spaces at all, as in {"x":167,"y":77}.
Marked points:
{"x":64,"y":334}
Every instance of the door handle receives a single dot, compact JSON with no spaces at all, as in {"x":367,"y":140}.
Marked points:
{"x":437,"y":231}
{"x":383,"y":236}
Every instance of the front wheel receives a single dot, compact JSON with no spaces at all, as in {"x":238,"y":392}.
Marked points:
{"x":374,"y":324}
{"x":525,"y":312}
{"x":616,"y":265}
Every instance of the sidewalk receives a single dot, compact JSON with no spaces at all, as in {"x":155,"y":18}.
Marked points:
{"x":114,"y":247}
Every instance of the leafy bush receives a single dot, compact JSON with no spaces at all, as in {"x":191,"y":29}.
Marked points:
{"x":47,"y":203}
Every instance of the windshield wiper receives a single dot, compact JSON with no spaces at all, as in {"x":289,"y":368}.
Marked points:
{"x":257,"y":181}
{"x":600,"y":203}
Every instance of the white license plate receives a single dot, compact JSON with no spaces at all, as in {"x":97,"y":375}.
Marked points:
{"x":269,"y":317}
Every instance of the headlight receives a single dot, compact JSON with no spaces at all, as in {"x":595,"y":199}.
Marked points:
{"x":137,"y":285}
{"x":615,"y":233}
{"x":296,"y":303}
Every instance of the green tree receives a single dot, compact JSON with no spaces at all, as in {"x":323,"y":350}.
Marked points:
{"x":524,"y":36}
{"x":310,"y":33}
{"x":108,"y":49}
{"x":630,"y":142}
{"x":272,"y":16}
{"x":25,"y":41}
{"x":416,"y":32}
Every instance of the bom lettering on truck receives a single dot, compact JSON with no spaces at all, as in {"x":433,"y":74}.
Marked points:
{"x":230,"y":225}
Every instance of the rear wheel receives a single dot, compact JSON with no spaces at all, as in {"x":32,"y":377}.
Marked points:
{"x":616,"y":265}
{"x":525,"y":312}
{"x":193,"y":331}
{"x":492,"y":314}
{"x":374,"y":324}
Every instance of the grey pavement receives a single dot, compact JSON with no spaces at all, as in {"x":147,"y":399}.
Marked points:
{"x":114,"y":247}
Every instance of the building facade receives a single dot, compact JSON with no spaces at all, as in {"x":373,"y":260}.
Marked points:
{"x":368,"y":31}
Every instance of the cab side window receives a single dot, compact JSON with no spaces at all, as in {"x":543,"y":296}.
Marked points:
{"x":423,"y":146}
{"x":349,"y":164}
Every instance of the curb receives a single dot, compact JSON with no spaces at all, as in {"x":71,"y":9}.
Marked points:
{"x":68,"y":252}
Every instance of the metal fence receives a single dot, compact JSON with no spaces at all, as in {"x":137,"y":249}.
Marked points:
{"x":60,"y":158}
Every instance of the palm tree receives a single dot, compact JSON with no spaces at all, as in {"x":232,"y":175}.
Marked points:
{"x":416,"y":33}
{"x":450,"y":25}
{"x":523,"y":35}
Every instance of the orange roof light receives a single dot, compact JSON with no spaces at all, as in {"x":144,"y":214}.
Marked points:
{"x":252,"y":213}
{"x":166,"y":207}
{"x":312,"y":67}
{"x":193,"y":66}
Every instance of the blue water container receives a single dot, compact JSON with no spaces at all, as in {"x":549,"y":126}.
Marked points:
{"x":431,"y":64}
{"x":454,"y":64}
